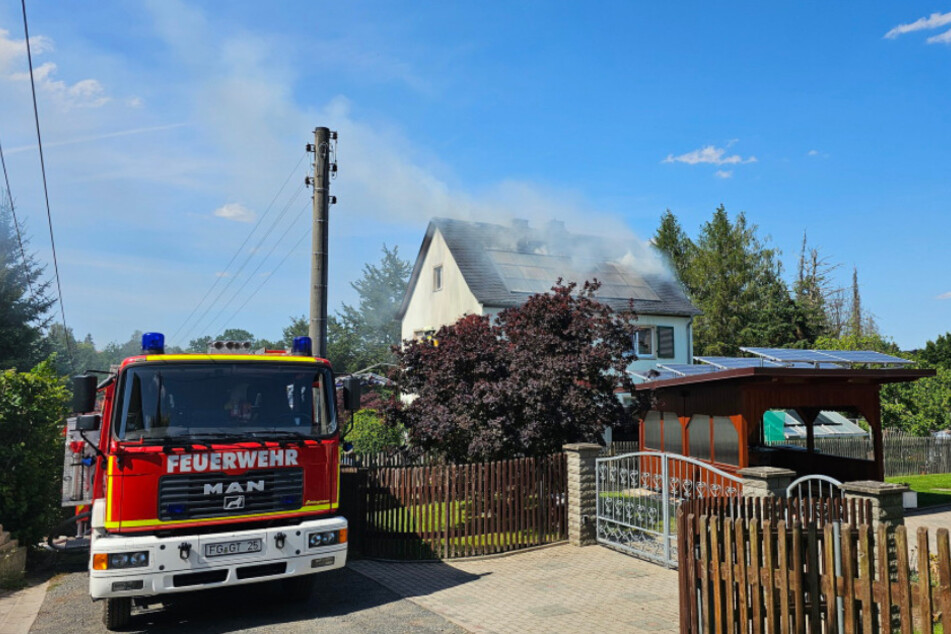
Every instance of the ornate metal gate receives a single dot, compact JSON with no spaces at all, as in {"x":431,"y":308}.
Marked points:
{"x":638,"y":495}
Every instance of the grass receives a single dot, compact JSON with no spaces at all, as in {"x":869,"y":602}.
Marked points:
{"x":933,"y":490}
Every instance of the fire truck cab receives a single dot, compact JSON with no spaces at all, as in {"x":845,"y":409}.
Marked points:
{"x":207,"y":470}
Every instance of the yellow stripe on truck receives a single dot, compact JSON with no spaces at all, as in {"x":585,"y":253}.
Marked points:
{"x":158,"y":522}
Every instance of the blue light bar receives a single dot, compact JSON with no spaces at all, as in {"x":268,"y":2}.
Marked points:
{"x":303,"y":346}
{"x":153,"y":343}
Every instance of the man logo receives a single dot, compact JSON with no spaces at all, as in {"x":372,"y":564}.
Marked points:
{"x":234,"y":487}
{"x":234,"y":502}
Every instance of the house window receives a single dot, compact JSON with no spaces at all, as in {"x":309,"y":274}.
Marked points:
{"x":644,"y":343}
{"x":437,"y":278}
{"x":665,"y":342}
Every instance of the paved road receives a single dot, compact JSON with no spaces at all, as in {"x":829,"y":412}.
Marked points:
{"x":343,"y":602}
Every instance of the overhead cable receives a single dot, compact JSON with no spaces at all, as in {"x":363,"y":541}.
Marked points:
{"x":239,"y":249}
{"x":46,"y":192}
{"x":16,"y":225}
{"x":251,"y":253}
{"x":264,"y":260}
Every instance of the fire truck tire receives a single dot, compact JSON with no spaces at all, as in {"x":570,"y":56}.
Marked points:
{"x":116,"y":613}
{"x":299,"y":589}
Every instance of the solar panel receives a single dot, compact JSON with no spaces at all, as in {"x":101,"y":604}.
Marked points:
{"x":825,"y":359}
{"x":659,"y":375}
{"x":731,"y":363}
{"x":865,"y":356}
{"x":788,"y":355}
{"x":688,"y":369}
{"x":537,"y":271}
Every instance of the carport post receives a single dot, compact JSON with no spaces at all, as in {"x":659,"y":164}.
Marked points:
{"x":582,"y":493}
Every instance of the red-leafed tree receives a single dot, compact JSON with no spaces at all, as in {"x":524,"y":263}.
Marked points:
{"x":541,"y":375}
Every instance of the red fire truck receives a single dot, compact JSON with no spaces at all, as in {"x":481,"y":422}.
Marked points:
{"x":207,"y":470}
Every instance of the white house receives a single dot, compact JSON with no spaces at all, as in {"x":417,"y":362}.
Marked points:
{"x":479,"y":268}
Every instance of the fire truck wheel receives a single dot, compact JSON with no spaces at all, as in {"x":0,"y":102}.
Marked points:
{"x":299,"y":589}
{"x":116,"y":613}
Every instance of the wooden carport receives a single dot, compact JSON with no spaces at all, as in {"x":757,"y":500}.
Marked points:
{"x":744,"y":395}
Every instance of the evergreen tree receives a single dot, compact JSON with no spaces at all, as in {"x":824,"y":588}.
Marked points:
{"x":671,"y":240}
{"x":736,"y":280}
{"x":24,"y":300}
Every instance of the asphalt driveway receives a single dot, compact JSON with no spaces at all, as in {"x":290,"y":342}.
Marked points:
{"x":343,"y":601}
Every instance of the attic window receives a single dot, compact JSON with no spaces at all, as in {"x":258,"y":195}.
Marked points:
{"x":437,"y":278}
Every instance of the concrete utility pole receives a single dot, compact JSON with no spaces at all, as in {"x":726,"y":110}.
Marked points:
{"x":319,"y":238}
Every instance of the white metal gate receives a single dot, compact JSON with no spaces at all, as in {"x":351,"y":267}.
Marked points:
{"x":638,"y":496}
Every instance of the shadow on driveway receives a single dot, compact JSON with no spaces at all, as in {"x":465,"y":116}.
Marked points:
{"x":342,"y":601}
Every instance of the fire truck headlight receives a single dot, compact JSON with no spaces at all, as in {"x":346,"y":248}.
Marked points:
{"x":137,"y":559}
{"x":327,"y":538}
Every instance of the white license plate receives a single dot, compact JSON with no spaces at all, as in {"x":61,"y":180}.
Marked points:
{"x":239,"y":547}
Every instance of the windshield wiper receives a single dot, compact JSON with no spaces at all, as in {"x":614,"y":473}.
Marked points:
{"x":277,"y":434}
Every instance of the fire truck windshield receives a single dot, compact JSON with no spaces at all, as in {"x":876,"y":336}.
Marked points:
{"x":227,"y":400}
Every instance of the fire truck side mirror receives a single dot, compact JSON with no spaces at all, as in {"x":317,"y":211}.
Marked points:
{"x":351,"y":393}
{"x":84,"y":393}
{"x":88,"y":422}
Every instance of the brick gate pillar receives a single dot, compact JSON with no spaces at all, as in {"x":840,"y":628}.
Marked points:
{"x":886,"y":500}
{"x":766,"y":481}
{"x":582,"y":493}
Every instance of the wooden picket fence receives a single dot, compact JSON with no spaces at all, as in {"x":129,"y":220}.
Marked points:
{"x":446,"y":511}
{"x":795,"y":566}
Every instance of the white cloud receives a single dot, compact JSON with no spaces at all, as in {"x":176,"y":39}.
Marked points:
{"x":709,"y":154}
{"x":86,"y":93}
{"x":236,"y":212}
{"x":12,"y":50}
{"x":944,"y":38}
{"x":724,"y":173}
{"x":933,"y":21}
{"x":944,"y":295}
{"x":812,"y":153}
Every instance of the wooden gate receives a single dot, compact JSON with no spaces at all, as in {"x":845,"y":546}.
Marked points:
{"x":638,"y":496}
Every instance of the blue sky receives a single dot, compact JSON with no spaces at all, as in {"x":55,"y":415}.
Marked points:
{"x":169,"y":128}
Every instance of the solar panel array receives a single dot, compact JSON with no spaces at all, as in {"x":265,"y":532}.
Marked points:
{"x":731,"y":363}
{"x":688,"y":369}
{"x":772,"y":358}
{"x":537,"y":272}
{"x":827,"y":358}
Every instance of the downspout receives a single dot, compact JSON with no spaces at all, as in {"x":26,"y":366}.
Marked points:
{"x":690,"y":340}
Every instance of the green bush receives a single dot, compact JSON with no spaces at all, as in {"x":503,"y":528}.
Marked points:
{"x":370,"y":435}
{"x":32,"y":406}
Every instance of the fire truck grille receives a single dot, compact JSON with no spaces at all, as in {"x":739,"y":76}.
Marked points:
{"x":196,"y":496}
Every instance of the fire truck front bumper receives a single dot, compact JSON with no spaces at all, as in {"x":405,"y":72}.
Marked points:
{"x":145,"y":565}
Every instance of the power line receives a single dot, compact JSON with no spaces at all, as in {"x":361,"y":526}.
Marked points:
{"x":238,"y":250}
{"x":260,"y":264}
{"x":46,"y":192}
{"x":16,"y":225}
{"x":247,"y":259}
{"x":268,"y":276}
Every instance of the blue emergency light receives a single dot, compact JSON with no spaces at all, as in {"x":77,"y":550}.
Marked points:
{"x":153,"y":343}
{"x":303,"y":346}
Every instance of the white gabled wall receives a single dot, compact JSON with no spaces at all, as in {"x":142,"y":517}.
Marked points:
{"x":429,"y":309}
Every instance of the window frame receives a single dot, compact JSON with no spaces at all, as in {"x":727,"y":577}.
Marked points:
{"x":437,"y":277}
{"x":636,"y":339}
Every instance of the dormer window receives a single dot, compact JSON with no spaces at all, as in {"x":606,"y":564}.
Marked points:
{"x":437,"y":278}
